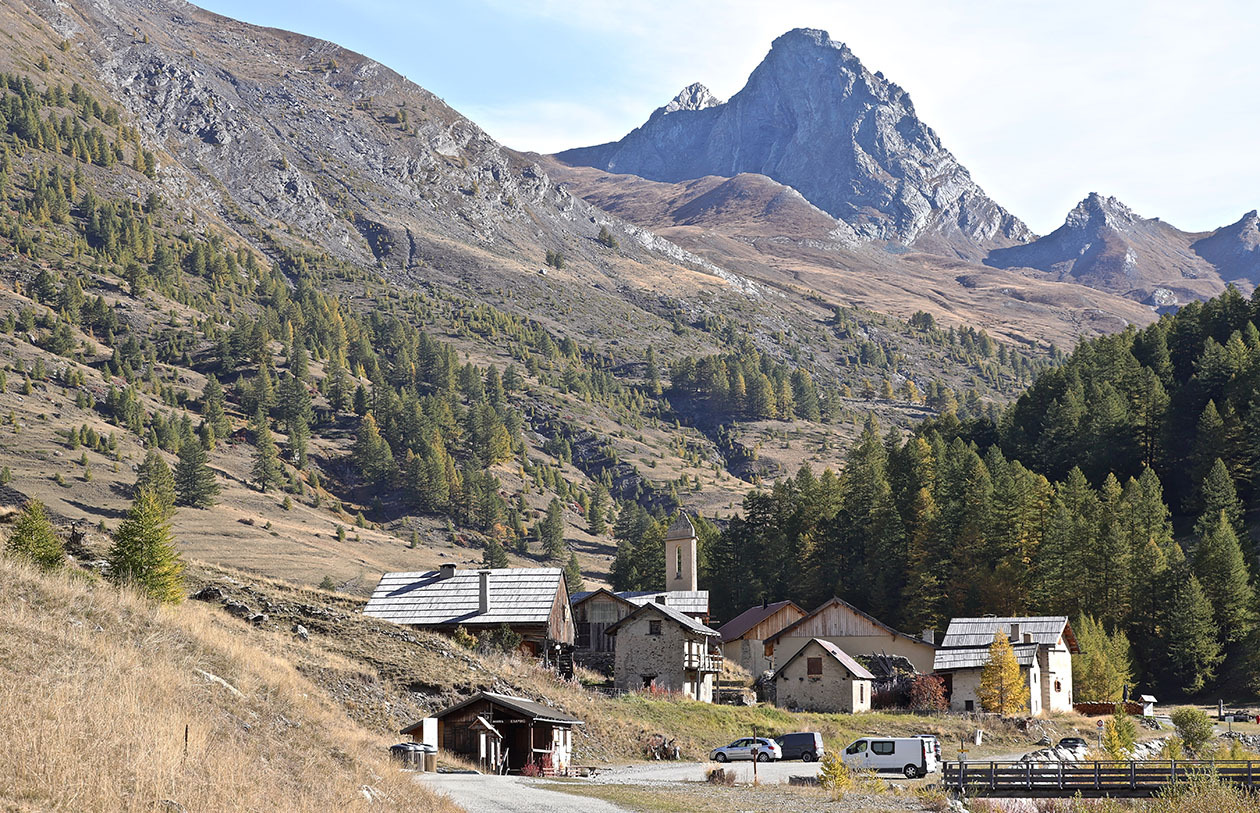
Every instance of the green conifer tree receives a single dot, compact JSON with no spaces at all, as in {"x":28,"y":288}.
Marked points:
{"x":34,"y":539}
{"x":597,"y":510}
{"x":551,"y":530}
{"x":267,"y":471}
{"x":156,"y":476}
{"x":143,"y":553}
{"x":494,"y":555}
{"x":573,"y":574}
{"x":1216,"y":494}
{"x":212,"y":408}
{"x":1222,"y":572}
{"x":1191,"y":653}
{"x":195,"y":482}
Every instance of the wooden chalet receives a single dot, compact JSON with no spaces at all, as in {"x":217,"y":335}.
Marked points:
{"x":532,"y":602}
{"x":502,"y":734}
{"x":743,"y":637}
{"x":854,"y":631}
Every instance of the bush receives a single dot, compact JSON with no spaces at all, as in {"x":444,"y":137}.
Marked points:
{"x":834,"y":775}
{"x":927,"y":693}
{"x":1193,"y":726}
{"x":464,"y":638}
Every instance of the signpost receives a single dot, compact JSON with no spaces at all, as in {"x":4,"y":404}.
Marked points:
{"x":1100,"y":733}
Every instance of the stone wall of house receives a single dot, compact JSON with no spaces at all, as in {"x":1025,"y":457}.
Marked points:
{"x":966,"y":687}
{"x":644,"y":659}
{"x":836,"y":690}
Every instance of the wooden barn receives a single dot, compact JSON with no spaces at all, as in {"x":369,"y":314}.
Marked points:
{"x":532,"y":602}
{"x":854,"y":631}
{"x":502,"y":734}
{"x":744,"y":636}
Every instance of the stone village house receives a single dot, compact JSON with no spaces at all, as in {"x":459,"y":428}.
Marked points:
{"x":659,"y":647}
{"x":821,"y":676}
{"x":1043,"y":647}
{"x":595,"y":611}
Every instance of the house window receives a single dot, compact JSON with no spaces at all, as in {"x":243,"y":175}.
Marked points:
{"x":648,"y":681}
{"x":970,"y":705}
{"x":1058,"y":686}
{"x":678,"y":564}
{"x":861,"y":692}
{"x":813,"y":667}
{"x":654,"y":628}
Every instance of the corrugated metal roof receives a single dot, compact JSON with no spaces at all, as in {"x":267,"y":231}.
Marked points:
{"x":972,"y":657}
{"x":517,"y":596}
{"x":695,"y":602}
{"x":671,"y":613}
{"x":742,"y":623}
{"x":856,"y":669}
{"x":979,"y":631}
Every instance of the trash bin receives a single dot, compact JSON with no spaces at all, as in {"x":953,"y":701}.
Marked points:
{"x":430,"y":758}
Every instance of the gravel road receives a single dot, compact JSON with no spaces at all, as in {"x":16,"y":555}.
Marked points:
{"x":479,"y":793}
{"x":660,"y":772}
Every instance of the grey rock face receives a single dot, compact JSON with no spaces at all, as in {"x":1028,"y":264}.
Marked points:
{"x":1234,"y":250}
{"x":1104,"y":244}
{"x":813,"y":117}
{"x":693,"y":97}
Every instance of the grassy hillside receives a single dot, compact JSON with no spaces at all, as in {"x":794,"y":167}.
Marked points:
{"x":130,"y":706}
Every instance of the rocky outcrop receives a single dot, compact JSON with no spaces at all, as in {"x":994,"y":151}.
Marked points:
{"x":1234,"y":250}
{"x":1105,"y":244}
{"x":813,"y":117}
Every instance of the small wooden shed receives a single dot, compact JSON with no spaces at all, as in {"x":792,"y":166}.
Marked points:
{"x":502,"y":733}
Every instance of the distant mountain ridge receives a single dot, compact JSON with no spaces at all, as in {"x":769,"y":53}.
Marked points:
{"x":811,"y":116}
{"x":1105,"y":244}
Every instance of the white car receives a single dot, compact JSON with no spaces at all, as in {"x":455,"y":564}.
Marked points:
{"x":765,"y":750}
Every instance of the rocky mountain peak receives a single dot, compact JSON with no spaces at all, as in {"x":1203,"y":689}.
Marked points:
{"x":693,"y":97}
{"x":1097,"y":211}
{"x":811,"y":116}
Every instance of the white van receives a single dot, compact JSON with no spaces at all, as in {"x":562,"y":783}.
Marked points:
{"x":911,"y":756}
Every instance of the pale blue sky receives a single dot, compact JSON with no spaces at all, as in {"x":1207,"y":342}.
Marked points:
{"x":1153,"y":102}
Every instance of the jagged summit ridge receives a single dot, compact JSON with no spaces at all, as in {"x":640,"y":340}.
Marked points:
{"x":1098,"y":211}
{"x":693,"y":97}
{"x":811,"y":116}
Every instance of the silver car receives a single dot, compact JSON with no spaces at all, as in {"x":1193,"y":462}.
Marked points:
{"x":744,"y":748}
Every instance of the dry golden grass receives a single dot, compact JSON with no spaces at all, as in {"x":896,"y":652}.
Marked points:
{"x":97,"y":690}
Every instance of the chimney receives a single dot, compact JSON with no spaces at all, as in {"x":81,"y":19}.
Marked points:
{"x":484,"y":606}
{"x":765,"y":603}
{"x":446,"y":570}
{"x":928,"y":636}
{"x":1015,"y":633}
{"x":1028,"y":638}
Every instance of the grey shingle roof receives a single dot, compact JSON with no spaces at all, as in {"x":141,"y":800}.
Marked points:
{"x":971,"y":657}
{"x":856,"y":669}
{"x":517,"y":596}
{"x":670,"y":613}
{"x":742,"y":623}
{"x":979,"y":631}
{"x":695,"y":602}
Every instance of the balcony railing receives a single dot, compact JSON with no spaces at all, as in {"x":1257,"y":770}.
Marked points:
{"x":703,"y":662}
